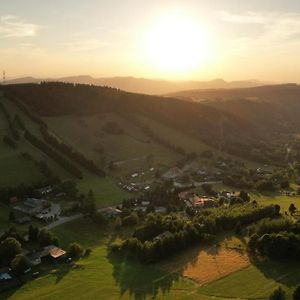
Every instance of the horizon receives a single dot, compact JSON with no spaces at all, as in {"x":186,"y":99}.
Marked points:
{"x":174,"y":41}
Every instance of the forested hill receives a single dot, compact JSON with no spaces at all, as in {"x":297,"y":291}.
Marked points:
{"x":48,"y":99}
{"x":239,"y":125}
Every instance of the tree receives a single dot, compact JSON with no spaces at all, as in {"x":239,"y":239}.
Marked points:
{"x":238,"y":228}
{"x":131,"y":220}
{"x":9,"y":249}
{"x":118,"y":223}
{"x":244,"y":195}
{"x":278,"y":294}
{"x":47,"y":238}
{"x":33,"y":233}
{"x":12,"y":216}
{"x":19,"y":264}
{"x":292,"y":209}
{"x":75,"y":251}
{"x":285,"y":184}
{"x":207,"y":188}
{"x":296,"y":293}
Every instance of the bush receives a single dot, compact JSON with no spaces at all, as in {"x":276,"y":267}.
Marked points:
{"x":277,"y":294}
{"x":296,"y":293}
{"x":76,"y":251}
{"x":47,"y":238}
{"x":131,"y":220}
{"x":9,"y":249}
{"x":19,"y":264}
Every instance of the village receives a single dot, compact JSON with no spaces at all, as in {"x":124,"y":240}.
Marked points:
{"x":190,"y":184}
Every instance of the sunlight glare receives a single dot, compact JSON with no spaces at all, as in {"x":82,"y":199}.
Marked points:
{"x":176,"y":43}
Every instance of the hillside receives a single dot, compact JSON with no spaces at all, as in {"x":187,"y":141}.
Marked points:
{"x":242,"y":125}
{"x":144,"y":85}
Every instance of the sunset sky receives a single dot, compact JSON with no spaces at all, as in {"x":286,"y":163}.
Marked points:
{"x":176,"y":40}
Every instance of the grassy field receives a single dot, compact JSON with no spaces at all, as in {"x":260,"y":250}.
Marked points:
{"x":105,"y":190}
{"x":11,"y":162}
{"x":257,"y":281}
{"x":102,"y":276}
{"x":85,"y":133}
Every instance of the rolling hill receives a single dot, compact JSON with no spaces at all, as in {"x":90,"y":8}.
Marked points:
{"x":93,"y":128}
{"x":143,"y":85}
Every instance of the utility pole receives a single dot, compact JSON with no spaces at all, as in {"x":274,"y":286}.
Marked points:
{"x":4,"y":77}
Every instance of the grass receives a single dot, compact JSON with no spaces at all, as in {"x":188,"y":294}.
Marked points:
{"x":103,"y":276}
{"x":256,"y":281}
{"x":105,"y":190}
{"x":273,"y":198}
{"x":85,"y":133}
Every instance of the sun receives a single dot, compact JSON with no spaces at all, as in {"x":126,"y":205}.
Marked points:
{"x":176,"y":44}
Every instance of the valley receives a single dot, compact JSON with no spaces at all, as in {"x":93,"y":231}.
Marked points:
{"x":138,"y":159}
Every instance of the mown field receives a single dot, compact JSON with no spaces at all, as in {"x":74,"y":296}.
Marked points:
{"x":101,"y":276}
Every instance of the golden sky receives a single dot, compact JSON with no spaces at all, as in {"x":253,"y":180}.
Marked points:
{"x":175,"y":40}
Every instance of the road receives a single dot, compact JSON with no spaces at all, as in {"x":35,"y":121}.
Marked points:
{"x":64,"y":220}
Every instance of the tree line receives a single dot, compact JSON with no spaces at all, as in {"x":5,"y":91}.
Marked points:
{"x":159,"y":236}
{"x":71,"y":152}
{"x":64,"y":163}
{"x":11,"y":125}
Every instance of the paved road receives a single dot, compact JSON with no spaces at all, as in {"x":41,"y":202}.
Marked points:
{"x":64,"y":220}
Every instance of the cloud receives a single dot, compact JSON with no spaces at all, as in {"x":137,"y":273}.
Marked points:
{"x":14,"y":27}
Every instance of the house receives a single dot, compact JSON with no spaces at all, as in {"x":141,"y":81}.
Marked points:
{"x":7,"y":279}
{"x":32,"y":206}
{"x":201,"y":202}
{"x":23,"y":220}
{"x":111,"y":212}
{"x":162,"y":236}
{"x":5,"y":274}
{"x":51,"y":251}
{"x":45,"y":190}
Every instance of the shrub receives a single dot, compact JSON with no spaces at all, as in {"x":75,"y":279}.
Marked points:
{"x":76,"y":251}
{"x":131,"y":220}
{"x":277,"y":294}
{"x":19,"y":264}
{"x":296,"y":293}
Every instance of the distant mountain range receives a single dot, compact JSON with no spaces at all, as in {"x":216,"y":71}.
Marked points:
{"x":146,"y":86}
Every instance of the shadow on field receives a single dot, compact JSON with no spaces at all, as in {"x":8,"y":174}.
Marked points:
{"x":140,"y":280}
{"x":286,"y":272}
